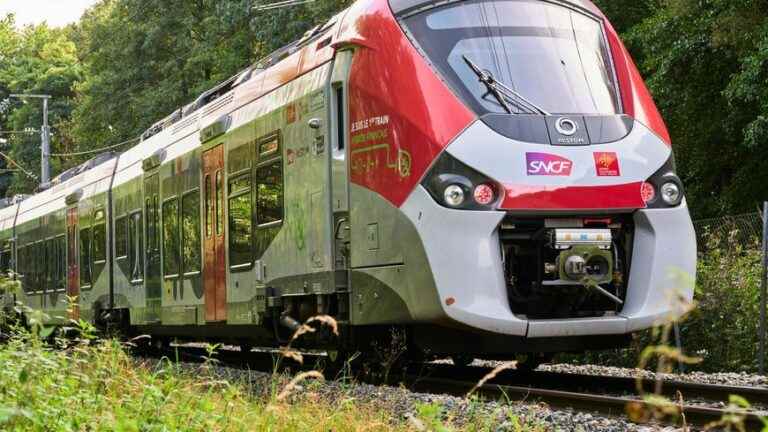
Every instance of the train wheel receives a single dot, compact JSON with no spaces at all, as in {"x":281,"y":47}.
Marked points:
{"x":529,"y":362}
{"x":462,"y":360}
{"x":246,"y":349}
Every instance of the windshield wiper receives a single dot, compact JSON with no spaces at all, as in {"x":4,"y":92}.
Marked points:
{"x":502,"y":93}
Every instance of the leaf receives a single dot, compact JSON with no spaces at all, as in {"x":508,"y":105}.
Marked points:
{"x":24,"y":376}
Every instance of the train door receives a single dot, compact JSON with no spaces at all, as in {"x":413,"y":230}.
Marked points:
{"x":214,"y":268}
{"x":153,"y":284}
{"x":73,"y":269}
{"x":337,"y":112}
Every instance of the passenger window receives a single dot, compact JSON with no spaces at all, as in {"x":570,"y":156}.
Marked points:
{"x":269,"y":187}
{"x":121,"y":238}
{"x":100,"y":243}
{"x":155,"y":225}
{"x":50,"y":265}
{"x":5,"y":261}
{"x":100,"y":237}
{"x":219,"y":203}
{"x":190,"y":231}
{"x":136,"y":247}
{"x":208,"y":207}
{"x":148,"y":213}
{"x":62,"y":277}
{"x":85,"y":257}
{"x":171,"y":237}
{"x":340,"y":130}
{"x":240,"y":221}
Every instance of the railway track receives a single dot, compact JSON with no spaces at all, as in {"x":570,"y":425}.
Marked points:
{"x":608,"y":396}
{"x":605,"y":395}
{"x":604,"y":384}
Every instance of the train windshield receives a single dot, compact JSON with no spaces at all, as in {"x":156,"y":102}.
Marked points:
{"x":553,"y":56}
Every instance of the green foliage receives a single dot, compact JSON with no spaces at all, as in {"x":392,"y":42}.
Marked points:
{"x":99,"y":387}
{"x":35,"y":59}
{"x":704,"y":61}
{"x":722,"y":330}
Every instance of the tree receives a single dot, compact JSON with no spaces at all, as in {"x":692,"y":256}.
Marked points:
{"x":35,"y":59}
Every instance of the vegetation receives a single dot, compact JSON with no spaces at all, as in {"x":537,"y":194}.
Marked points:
{"x":722,"y":329}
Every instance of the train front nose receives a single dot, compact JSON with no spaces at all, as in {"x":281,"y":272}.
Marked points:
{"x":573,"y":241}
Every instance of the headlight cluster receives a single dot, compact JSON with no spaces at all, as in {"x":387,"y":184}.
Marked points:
{"x":664,"y":189}
{"x":455,"y":185}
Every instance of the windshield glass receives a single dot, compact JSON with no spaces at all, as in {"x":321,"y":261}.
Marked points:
{"x":553,"y":56}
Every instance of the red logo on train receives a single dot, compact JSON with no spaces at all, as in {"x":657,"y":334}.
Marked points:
{"x":607,"y":164}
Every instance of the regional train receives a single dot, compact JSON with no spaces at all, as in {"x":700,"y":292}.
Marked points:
{"x":489,"y":178}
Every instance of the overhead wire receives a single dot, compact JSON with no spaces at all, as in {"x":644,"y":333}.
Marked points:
{"x":281,"y":5}
{"x":99,"y":150}
{"x":21,"y":168}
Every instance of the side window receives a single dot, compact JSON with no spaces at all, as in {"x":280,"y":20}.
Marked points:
{"x":100,"y":238}
{"x":190,"y":231}
{"x":219,"y":203}
{"x":340,"y":129}
{"x":39,"y":256}
{"x":5,"y":261}
{"x":208,"y":207}
{"x":121,"y":238}
{"x":85,"y":257}
{"x":61,"y":284}
{"x":269,"y":189}
{"x":171,"y":237}
{"x":51,"y":261}
{"x":136,"y":246}
{"x":240,"y":221}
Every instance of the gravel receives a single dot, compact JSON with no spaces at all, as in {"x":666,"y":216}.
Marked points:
{"x":730,"y":378}
{"x":405,"y":405}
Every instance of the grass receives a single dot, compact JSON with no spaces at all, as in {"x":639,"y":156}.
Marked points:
{"x":95,"y":387}
{"x":90,"y":385}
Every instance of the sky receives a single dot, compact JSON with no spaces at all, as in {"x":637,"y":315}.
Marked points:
{"x":57,"y":13}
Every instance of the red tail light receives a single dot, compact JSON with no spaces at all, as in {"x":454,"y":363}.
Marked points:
{"x":648,"y":192}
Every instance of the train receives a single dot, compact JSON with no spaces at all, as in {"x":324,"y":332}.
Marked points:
{"x":485,"y":178}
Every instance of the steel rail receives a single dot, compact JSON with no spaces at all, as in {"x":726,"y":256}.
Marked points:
{"x":597,"y":383}
{"x":587,"y":393}
{"x":614,"y":406}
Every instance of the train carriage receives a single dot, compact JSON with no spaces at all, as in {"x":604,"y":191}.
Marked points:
{"x":489,"y":176}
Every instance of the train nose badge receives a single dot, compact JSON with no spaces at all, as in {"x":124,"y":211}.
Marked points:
{"x":566,"y":126}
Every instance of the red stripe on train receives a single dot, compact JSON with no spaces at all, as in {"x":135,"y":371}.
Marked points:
{"x":615,"y":197}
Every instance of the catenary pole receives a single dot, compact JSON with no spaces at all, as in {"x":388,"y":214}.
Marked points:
{"x":45,"y":137}
{"x":763,"y":280}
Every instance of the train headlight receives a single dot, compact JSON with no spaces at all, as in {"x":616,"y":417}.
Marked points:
{"x":454,"y":195}
{"x":664,"y":189}
{"x":457,"y":186}
{"x":671,"y":194}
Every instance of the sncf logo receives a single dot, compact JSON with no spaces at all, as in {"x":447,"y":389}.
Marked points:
{"x":545,"y":164}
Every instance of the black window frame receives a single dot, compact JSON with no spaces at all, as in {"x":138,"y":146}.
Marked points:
{"x":165,"y":249}
{"x":99,"y":224}
{"x":236,"y":194}
{"x":86,"y":254}
{"x":265,"y":161}
{"x":136,"y":239}
{"x":61,"y":277}
{"x":122,"y":224}
{"x":198,"y":229}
